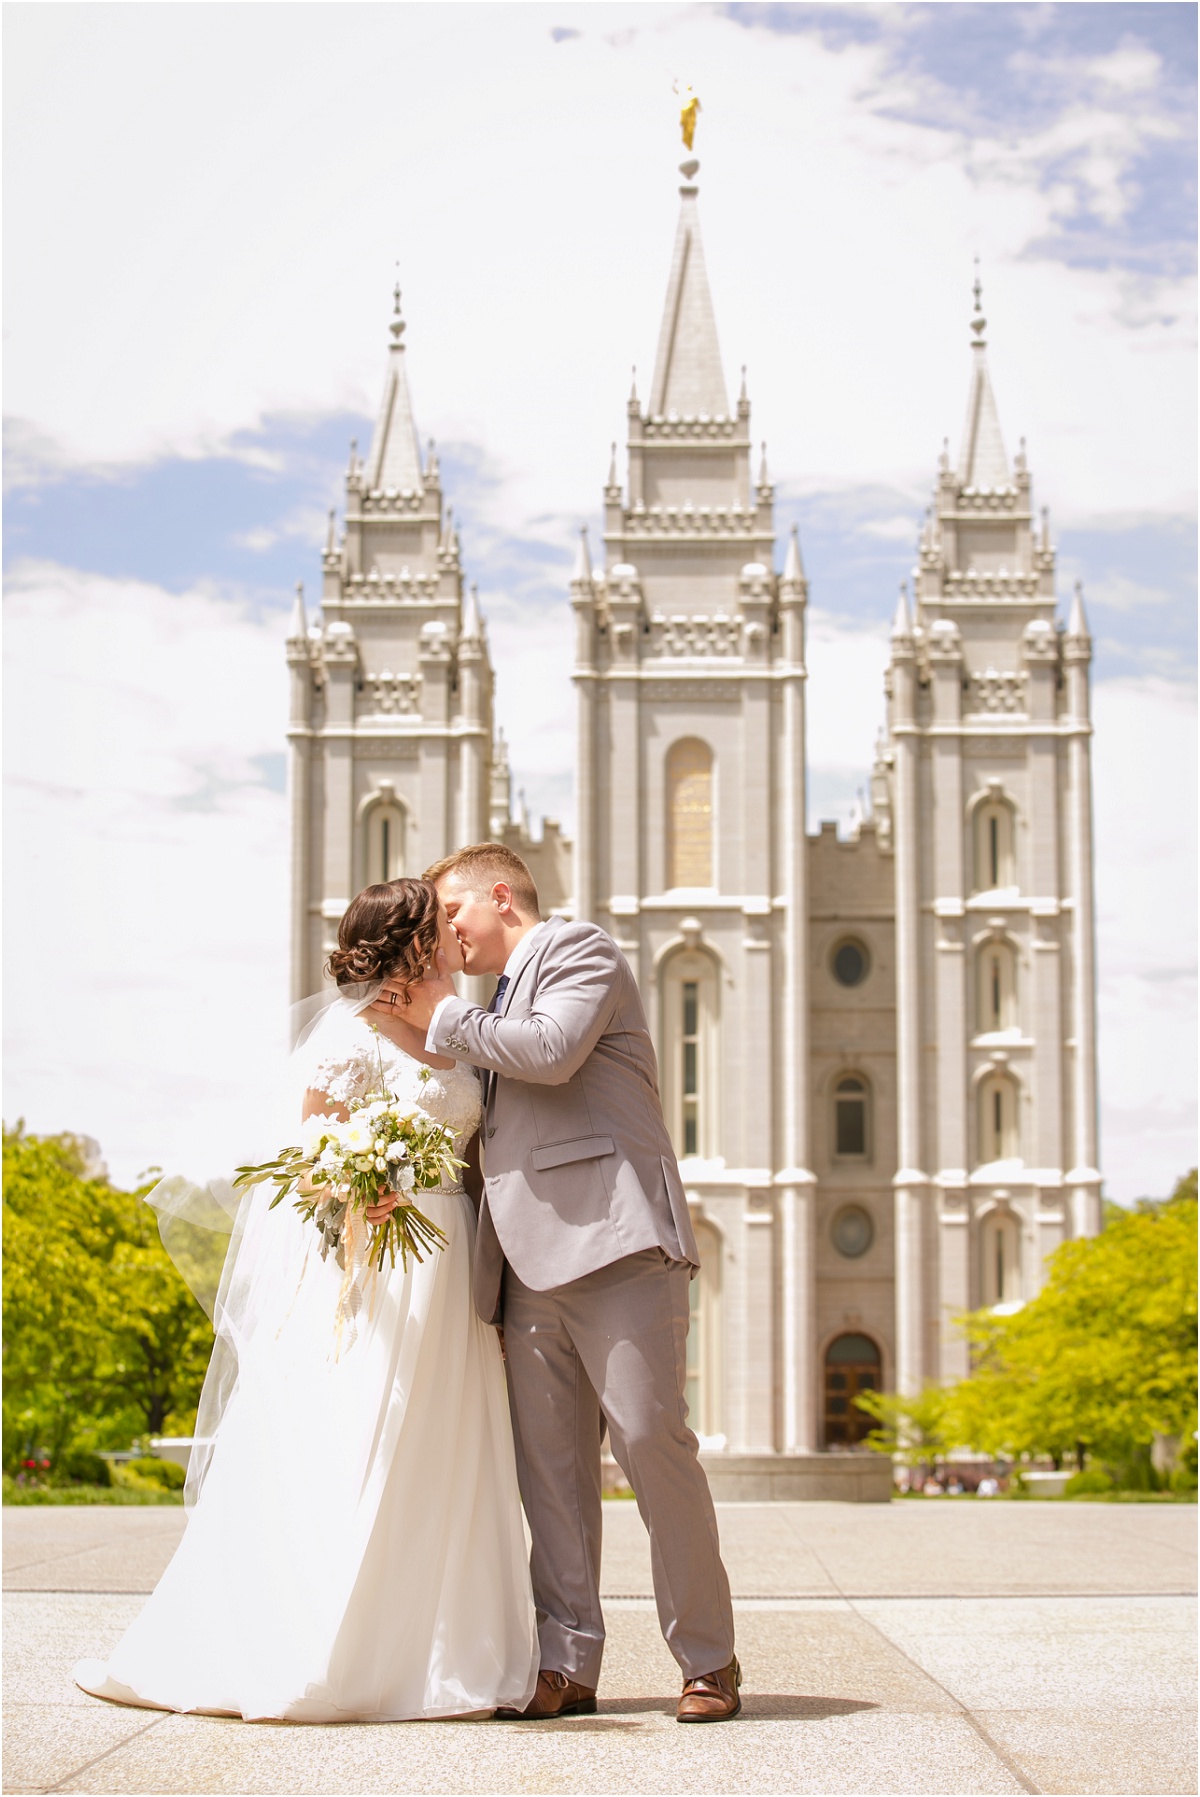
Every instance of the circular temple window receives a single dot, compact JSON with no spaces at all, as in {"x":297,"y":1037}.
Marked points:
{"x":850,"y":963}
{"x":853,"y":1232}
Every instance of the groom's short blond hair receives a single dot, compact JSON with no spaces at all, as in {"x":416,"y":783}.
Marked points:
{"x":481,"y":864}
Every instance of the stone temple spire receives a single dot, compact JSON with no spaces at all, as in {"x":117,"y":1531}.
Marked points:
{"x":688,"y":377}
{"x":982,"y":461}
{"x":395,"y":459}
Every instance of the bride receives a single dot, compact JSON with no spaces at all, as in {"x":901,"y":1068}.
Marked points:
{"x":356,"y":1550}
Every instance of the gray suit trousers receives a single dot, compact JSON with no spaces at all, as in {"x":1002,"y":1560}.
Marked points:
{"x":612,"y":1342}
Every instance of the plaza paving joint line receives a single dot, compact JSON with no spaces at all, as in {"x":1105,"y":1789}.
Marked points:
{"x":993,"y":1746}
{"x":118,"y":1747}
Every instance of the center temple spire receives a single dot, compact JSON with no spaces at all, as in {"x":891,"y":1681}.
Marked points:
{"x":689,"y":380}
{"x":395,"y":460}
{"x":982,"y":462}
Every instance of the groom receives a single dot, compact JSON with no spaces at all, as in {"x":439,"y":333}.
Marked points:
{"x":584,"y":1255}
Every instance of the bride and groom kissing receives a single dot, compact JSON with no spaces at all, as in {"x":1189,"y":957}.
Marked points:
{"x":356,"y":1549}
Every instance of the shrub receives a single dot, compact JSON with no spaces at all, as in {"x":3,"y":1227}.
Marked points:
{"x":80,"y":1466}
{"x":1088,"y":1484}
{"x":164,"y":1474}
{"x":1183,"y":1476}
{"x":15,"y":1493}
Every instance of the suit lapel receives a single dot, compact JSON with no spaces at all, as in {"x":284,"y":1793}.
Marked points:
{"x":490,"y":1078}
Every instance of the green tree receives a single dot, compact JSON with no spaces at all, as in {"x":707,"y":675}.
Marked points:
{"x":1104,"y":1358}
{"x":102,"y":1339}
{"x":913,"y":1430}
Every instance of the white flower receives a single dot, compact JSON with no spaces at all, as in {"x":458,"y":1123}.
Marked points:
{"x":397,"y":1152}
{"x":405,"y":1179}
{"x":356,"y":1137}
{"x":380,"y":1164}
{"x":315,"y":1130}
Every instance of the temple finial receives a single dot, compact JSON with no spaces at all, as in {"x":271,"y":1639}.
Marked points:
{"x":612,"y":469}
{"x":793,"y":567}
{"x":298,"y":628}
{"x":743,"y":396}
{"x":330,"y":537}
{"x":472,"y":624}
{"x":978,"y":321}
{"x":982,"y":461}
{"x":902,"y":622}
{"x":1077,"y":624}
{"x":397,"y":326}
{"x":764,"y":479}
{"x":583,"y":560}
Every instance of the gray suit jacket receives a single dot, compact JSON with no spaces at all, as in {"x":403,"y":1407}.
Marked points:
{"x":578,"y":1167}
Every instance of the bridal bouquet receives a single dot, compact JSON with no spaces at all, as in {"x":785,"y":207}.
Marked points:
{"x":342,"y":1168}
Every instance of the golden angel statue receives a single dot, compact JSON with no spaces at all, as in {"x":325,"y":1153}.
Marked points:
{"x":687,"y":115}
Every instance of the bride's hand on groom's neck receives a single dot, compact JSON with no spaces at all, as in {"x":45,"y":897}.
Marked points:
{"x":412,"y":1010}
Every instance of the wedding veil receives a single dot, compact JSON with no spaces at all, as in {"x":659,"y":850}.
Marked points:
{"x":217,"y":1235}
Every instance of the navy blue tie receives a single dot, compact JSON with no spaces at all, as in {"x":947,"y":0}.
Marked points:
{"x":489,"y":1078}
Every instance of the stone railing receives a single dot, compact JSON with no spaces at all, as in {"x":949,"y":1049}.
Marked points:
{"x":992,"y":692}
{"x":708,"y":634}
{"x":391,"y":694}
{"x":688,"y":520}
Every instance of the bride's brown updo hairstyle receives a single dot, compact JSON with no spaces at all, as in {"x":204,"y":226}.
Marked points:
{"x":389,"y":932}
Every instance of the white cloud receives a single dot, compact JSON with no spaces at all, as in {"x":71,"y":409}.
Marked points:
{"x":900,"y":529}
{"x":843,"y":694}
{"x":1144,"y":761}
{"x":146,"y":940}
{"x":533,"y":653}
{"x":526,"y":189}
{"x":305,"y":525}
{"x":1116,"y":592}
{"x":1131,"y":69}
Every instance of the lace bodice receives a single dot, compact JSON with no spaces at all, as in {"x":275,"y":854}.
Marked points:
{"x":349,"y":1069}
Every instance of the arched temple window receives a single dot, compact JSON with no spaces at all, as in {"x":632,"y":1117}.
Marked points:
{"x":852,"y":1365}
{"x":994,"y":858}
{"x":1000,"y":1246}
{"x":997,"y":993}
{"x":688,"y":1000}
{"x":703,"y":1390}
{"x":385,"y":842}
{"x":689,"y":784}
{"x":851,"y":1116}
{"x":998,"y":1132}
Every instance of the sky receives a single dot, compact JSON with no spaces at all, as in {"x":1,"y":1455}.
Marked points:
{"x":206,"y":208}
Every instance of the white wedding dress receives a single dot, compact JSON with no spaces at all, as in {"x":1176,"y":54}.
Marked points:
{"x":357,"y":1551}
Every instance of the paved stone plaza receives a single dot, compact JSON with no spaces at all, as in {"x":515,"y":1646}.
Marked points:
{"x":912,"y":1647}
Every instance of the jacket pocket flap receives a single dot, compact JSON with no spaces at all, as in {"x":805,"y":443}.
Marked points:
{"x":557,"y":1154}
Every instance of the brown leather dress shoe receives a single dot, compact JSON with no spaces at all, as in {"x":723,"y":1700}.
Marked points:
{"x":713,"y":1697}
{"x":556,"y":1695}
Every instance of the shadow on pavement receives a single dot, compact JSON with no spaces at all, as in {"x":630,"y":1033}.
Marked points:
{"x":758,"y":1706}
